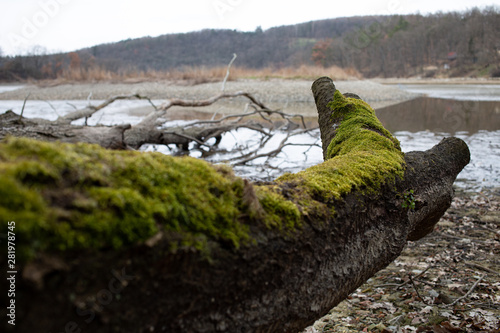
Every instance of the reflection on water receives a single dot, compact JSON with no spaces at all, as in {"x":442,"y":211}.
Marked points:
{"x":441,"y":115}
{"x":421,"y":123}
{"x":464,"y":92}
{"x":482,"y":170}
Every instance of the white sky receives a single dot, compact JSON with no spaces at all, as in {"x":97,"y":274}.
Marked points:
{"x":66,"y":25}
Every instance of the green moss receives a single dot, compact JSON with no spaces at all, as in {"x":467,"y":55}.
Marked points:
{"x":281,"y":213}
{"x":81,"y":196}
{"x":362,"y":156}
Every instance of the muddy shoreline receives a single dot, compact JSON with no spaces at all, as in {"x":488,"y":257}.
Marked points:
{"x":287,"y":95}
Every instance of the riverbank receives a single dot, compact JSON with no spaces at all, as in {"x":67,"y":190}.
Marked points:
{"x":292,"y":96}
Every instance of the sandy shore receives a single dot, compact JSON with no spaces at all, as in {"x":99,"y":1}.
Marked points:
{"x":293,"y":96}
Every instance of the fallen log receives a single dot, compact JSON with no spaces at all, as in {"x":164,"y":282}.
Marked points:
{"x":147,"y":131}
{"x":122,"y":241}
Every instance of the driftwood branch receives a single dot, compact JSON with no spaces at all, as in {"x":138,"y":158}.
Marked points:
{"x":228,"y":72}
{"x":91,"y":109}
{"x":163,"y":108}
{"x":148,"y":131}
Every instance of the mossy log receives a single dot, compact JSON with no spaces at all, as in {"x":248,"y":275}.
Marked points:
{"x":122,"y":241}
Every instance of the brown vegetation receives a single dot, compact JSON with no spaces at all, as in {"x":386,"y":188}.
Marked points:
{"x":201,"y":74}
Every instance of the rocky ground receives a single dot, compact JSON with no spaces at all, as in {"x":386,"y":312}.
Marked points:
{"x":449,"y":281}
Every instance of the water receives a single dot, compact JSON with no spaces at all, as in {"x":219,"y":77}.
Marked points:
{"x":5,"y":88}
{"x":472,"y":115}
{"x":441,"y":116}
{"x":469,"y":112}
{"x":118,"y":113}
{"x":463,"y":92}
{"x":483,"y":170}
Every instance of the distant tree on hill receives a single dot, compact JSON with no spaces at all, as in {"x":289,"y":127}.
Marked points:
{"x":374,"y":45}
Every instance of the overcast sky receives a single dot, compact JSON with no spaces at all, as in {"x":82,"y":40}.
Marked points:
{"x":66,"y":25}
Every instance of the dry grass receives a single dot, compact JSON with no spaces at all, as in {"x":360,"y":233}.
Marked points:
{"x":198,"y":75}
{"x":301,"y":72}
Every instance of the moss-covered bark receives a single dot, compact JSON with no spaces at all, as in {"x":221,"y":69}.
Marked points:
{"x":82,"y":196}
{"x":210,"y":251}
{"x":361,"y":157}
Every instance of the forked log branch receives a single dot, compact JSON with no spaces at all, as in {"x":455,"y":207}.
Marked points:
{"x":119,"y":241}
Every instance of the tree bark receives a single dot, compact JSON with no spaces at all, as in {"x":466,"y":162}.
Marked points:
{"x":307,"y":251}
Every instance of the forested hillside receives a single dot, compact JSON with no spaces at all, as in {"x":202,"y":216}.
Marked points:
{"x":449,"y":44}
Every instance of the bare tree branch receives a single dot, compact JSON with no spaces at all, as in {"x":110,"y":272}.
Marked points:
{"x":227,"y":72}
{"x":152,"y":117}
{"x":91,"y":109}
{"x":24,"y":105}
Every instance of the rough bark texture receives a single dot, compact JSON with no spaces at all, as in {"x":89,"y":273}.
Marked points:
{"x":40,"y":129}
{"x":281,"y":282}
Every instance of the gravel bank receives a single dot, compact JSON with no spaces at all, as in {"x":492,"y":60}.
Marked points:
{"x":292,"y":96}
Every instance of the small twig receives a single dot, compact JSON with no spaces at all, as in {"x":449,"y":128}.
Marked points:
{"x":468,"y":293}
{"x":264,"y":140}
{"x":272,"y":153}
{"x":150,"y":102}
{"x":89,"y":97}
{"x":304,"y":131}
{"x":486,"y":269}
{"x":399,"y":285}
{"x":162,"y":109}
{"x":227,"y":72}
{"x":52,"y":107}
{"x":261,"y":112}
{"x":212,"y":121}
{"x":416,"y":289}
{"x":72,"y":105}
{"x":99,"y":120}
{"x":432,"y":284}
{"x":24,"y":104}
{"x":489,"y":305}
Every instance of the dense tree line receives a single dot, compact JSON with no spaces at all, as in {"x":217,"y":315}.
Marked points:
{"x":395,"y":45}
